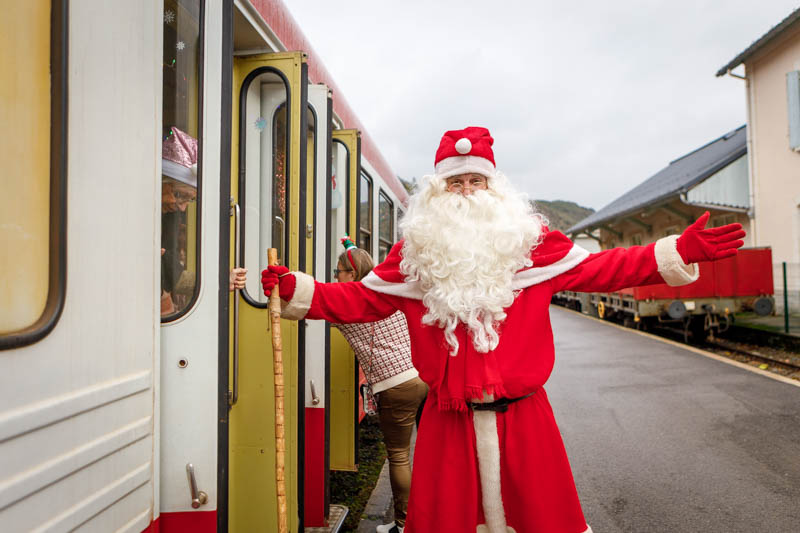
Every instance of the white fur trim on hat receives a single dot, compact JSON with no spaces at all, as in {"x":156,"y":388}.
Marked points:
{"x":179,"y":172}
{"x":464,"y":164}
{"x":670,"y":263}
{"x":297,"y":309}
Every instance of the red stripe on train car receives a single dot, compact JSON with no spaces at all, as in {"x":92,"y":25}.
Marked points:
{"x":184,"y":522}
{"x":314,"y":508}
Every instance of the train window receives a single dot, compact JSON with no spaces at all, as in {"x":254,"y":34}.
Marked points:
{"x":385,"y":225}
{"x":339,"y":197}
{"x":33,"y":46}
{"x":180,"y":180}
{"x":263,"y":185}
{"x":365,"y":213}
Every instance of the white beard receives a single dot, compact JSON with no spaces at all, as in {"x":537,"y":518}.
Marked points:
{"x":464,"y":251}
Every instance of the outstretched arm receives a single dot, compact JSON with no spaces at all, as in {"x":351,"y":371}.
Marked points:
{"x":303,"y":297}
{"x":670,"y":260}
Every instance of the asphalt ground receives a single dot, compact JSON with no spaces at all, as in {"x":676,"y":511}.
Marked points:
{"x":664,"y":439}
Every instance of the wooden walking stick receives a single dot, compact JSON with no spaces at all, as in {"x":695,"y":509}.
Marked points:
{"x":277,"y":358}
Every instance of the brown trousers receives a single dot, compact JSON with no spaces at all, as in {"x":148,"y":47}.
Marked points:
{"x":397,"y":411}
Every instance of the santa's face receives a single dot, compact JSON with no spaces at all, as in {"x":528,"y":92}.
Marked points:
{"x":464,"y":250}
{"x":466,"y":184}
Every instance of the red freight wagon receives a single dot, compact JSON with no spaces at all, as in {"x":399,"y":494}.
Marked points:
{"x":740,"y":283}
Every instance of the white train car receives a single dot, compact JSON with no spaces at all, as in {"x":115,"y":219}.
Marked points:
{"x":148,"y":148}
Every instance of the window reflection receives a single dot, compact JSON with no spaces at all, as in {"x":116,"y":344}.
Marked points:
{"x":180,"y":149}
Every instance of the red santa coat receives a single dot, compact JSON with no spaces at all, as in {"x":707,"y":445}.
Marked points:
{"x":475,"y":470}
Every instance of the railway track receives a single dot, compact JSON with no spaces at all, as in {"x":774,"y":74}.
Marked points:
{"x":725,"y":345}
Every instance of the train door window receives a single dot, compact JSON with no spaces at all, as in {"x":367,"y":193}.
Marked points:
{"x":339,"y":192}
{"x":385,"y":225}
{"x":33,"y":41}
{"x":180,"y":183}
{"x":263,"y":193}
{"x":365,"y":213}
{"x":311,"y":184}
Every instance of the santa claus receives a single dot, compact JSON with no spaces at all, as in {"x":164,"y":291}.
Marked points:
{"x":474,"y":275}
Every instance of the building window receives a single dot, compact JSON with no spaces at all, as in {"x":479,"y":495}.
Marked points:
{"x":671,"y":230}
{"x":365,"y":213}
{"x":636,"y":239}
{"x":385,"y":225}
{"x":33,"y":102}
{"x":722,"y":220}
{"x":180,"y":179}
{"x":793,"y":108}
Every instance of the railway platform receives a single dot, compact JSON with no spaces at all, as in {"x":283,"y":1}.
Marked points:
{"x":662,"y":438}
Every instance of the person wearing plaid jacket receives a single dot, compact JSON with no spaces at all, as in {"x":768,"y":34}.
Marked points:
{"x":474,"y":275}
{"x":383,"y":350}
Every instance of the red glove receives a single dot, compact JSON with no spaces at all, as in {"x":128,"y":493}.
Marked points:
{"x":273,"y":275}
{"x":699,"y":244}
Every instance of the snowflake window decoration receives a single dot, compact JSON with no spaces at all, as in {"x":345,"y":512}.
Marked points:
{"x":180,"y":45}
{"x":169,"y":16}
{"x":260,"y":123}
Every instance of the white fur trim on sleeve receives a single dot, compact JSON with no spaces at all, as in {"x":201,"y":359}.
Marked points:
{"x":488,"y":448}
{"x":301,"y":300}
{"x":405,"y":289}
{"x":670,"y":263}
{"x":536,"y":275}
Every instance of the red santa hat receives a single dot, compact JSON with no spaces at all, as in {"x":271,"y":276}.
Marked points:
{"x":465,"y":151}
{"x":179,"y":157}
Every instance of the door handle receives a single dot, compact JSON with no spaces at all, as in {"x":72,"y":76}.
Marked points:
{"x":233,"y":395}
{"x":198,"y":497}
{"x":314,"y":397}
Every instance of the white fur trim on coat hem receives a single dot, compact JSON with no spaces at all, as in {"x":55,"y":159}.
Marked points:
{"x":487,"y":444}
{"x":670,"y":263}
{"x":297,"y":309}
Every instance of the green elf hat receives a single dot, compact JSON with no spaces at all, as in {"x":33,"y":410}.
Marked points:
{"x":349,"y":245}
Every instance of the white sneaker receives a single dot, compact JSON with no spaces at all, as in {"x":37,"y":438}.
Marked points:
{"x":389,"y":528}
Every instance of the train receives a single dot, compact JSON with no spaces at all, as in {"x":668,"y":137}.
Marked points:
{"x":149,"y":148}
{"x":701,"y":309}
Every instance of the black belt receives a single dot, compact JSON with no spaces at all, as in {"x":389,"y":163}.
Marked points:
{"x":498,"y":406}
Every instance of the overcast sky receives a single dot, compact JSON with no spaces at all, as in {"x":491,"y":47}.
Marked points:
{"x":585,"y":99}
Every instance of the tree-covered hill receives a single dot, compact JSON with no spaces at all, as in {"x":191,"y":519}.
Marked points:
{"x":561,"y":213}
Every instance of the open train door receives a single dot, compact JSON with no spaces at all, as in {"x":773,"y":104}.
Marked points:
{"x":270,"y":196}
{"x":344,"y":407}
{"x":317,"y":512}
